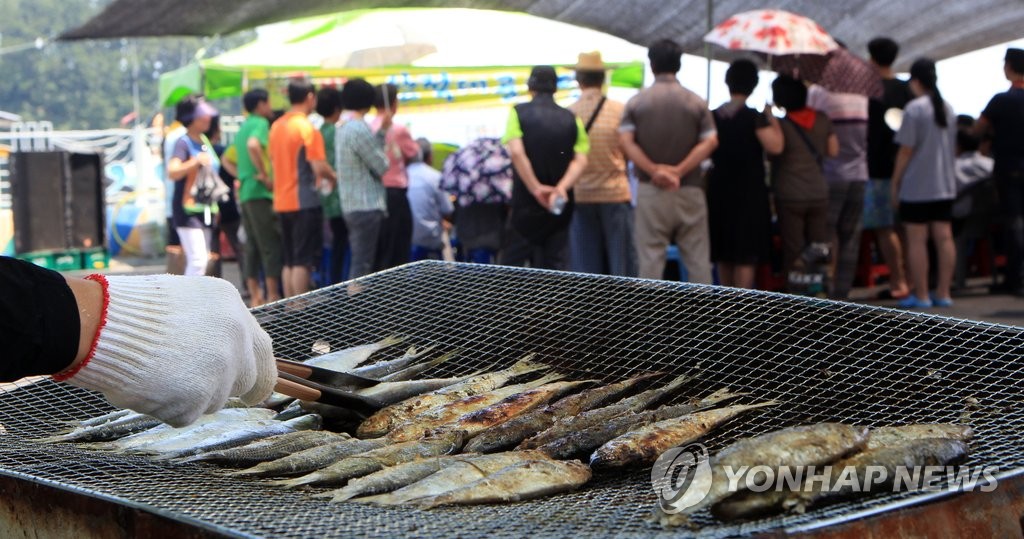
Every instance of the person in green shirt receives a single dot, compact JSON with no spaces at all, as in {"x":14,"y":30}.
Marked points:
{"x":255,"y":195}
{"x":328,"y":105}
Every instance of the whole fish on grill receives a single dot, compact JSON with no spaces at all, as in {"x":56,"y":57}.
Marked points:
{"x":888,"y":447}
{"x":447,"y":413}
{"x":311,"y":459}
{"x":506,"y":435}
{"x":392,"y":477}
{"x":392,"y":392}
{"x":570,"y":424}
{"x":163,"y":431}
{"x":98,"y":420}
{"x":890,"y":436}
{"x":456,"y":472}
{"x":587,"y":439}
{"x":383,"y":420}
{"x":231,"y":435}
{"x":269,"y":449}
{"x":381,"y":369}
{"x":372,"y":461}
{"x":510,"y":407}
{"x":414,"y":371}
{"x":809,"y":445}
{"x":349,"y":358}
{"x":110,"y":430}
{"x":645,"y":444}
{"x":293,"y":410}
{"x":515,"y":483}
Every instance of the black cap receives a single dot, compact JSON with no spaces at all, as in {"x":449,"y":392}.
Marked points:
{"x":543,"y":79}
{"x":1015,"y":58}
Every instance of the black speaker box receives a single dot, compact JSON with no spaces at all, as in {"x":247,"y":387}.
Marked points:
{"x":57,"y":201}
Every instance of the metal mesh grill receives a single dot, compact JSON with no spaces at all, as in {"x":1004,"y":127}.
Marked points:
{"x":826,"y":361}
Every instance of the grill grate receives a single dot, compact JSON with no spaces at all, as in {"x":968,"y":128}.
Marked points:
{"x":826,"y":361}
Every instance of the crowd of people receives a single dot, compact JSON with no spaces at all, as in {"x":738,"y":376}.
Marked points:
{"x":606,"y":187}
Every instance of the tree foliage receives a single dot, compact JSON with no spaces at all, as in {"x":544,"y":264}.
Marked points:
{"x":85,"y":84}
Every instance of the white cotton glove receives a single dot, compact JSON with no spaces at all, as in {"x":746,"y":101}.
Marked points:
{"x":178,"y":347}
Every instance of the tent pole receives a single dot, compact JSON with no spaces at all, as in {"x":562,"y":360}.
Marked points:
{"x":707,"y":49}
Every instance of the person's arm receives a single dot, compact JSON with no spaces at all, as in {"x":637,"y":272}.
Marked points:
{"x":444,"y":202}
{"x":513,"y":140}
{"x":770,"y":136}
{"x":633,"y":151}
{"x":258,"y":157}
{"x":40,"y":324}
{"x":526,"y":173}
{"x":324,"y":171}
{"x":703,"y":150}
{"x":832,"y":149}
{"x":229,"y":165}
{"x":370,"y":150}
{"x":406,"y":144}
{"x":903,"y":157}
{"x":182,"y":164}
{"x":578,"y":163}
{"x":316,"y":156}
{"x":697,"y":155}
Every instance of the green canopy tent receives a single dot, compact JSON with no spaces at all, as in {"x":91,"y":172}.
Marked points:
{"x":435,"y":56}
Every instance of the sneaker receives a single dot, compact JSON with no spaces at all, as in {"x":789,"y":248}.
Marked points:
{"x":912,"y":302}
{"x":941,"y":302}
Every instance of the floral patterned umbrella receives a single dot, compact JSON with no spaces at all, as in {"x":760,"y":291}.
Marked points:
{"x":480,"y":172}
{"x":773,"y":32}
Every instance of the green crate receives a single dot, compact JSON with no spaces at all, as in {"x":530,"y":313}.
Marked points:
{"x":67,"y":261}
{"x":95,"y":260}
{"x":45,"y":260}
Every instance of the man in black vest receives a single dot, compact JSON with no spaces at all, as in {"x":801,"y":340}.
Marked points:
{"x":549,"y":148}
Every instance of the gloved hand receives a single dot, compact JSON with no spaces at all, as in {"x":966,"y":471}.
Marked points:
{"x":176,"y":347}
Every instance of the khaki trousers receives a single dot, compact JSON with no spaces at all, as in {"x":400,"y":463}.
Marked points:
{"x":663,"y":217}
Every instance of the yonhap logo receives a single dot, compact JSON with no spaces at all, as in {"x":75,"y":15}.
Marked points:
{"x":682,"y":477}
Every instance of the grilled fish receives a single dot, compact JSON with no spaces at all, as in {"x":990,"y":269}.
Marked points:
{"x":99,"y":420}
{"x":890,"y":436}
{"x":809,"y":445}
{"x":907,"y":445}
{"x":391,"y":478}
{"x":372,"y":461}
{"x":516,"y":483}
{"x":163,"y":431}
{"x":117,"y":428}
{"x":599,"y":416}
{"x":381,"y":369}
{"x":392,"y":392}
{"x":590,"y":438}
{"x":269,"y":449}
{"x":412,"y":372}
{"x":311,"y":459}
{"x":381,"y":422}
{"x":508,"y":434}
{"x":455,"y":473}
{"x":509,"y":407}
{"x":645,"y":444}
{"x":447,"y":413}
{"x":349,"y":358}
{"x":232,"y":436}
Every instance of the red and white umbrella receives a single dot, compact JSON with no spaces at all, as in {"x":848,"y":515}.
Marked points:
{"x":772,"y":31}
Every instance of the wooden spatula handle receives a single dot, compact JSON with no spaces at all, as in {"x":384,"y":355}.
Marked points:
{"x":298,"y":391}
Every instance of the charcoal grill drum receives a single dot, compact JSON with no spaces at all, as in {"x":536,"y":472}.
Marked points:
{"x":825,"y":361}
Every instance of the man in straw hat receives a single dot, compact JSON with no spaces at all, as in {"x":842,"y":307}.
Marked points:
{"x":601,"y":233}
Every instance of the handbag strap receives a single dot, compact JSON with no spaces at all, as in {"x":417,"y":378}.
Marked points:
{"x":593,"y":117}
{"x":807,"y":141}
